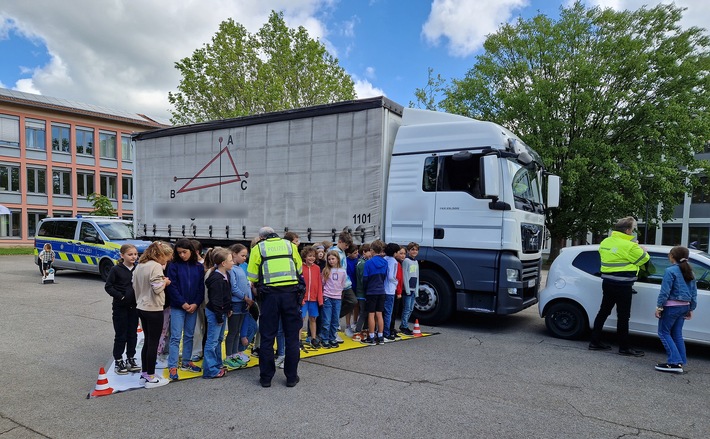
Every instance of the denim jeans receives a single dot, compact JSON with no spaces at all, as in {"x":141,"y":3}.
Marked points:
{"x":182,"y":325}
{"x":387,"y":314}
{"x":249,"y":328}
{"x":213,"y":346}
{"x":331,"y":317}
{"x":407,"y":308}
{"x":670,"y":331}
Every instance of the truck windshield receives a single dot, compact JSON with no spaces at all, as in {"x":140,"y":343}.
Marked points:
{"x":117,"y":230}
{"x":526,"y":187}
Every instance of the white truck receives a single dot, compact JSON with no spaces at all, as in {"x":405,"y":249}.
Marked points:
{"x":469,"y":192}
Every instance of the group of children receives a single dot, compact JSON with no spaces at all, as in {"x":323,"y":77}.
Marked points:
{"x":179,"y":296}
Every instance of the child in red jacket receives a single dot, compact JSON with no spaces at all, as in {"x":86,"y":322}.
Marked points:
{"x":314,"y":292}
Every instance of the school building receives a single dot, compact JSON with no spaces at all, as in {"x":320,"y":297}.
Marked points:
{"x":53,"y":153}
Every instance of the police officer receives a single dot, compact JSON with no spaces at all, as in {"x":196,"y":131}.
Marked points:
{"x":275,"y":267}
{"x":621,"y":257}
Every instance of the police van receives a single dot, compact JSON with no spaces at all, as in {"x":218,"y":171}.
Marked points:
{"x":86,"y":243}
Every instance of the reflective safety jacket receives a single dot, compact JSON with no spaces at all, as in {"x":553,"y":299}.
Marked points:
{"x":274,"y":262}
{"x":621,"y":258}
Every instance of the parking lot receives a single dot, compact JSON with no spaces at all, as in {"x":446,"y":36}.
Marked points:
{"x":497,"y":377}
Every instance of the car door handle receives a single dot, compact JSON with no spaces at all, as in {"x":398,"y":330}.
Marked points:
{"x":438,"y":233}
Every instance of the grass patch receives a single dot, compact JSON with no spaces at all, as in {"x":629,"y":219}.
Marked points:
{"x":16,"y":251}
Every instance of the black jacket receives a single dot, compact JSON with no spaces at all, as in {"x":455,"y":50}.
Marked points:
{"x":219,"y":294}
{"x":119,"y":285}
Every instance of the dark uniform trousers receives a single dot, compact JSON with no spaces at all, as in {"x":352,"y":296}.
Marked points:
{"x":279,"y":303}
{"x":619,"y":295}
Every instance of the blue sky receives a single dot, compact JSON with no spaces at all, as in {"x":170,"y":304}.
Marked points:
{"x":121,"y":56}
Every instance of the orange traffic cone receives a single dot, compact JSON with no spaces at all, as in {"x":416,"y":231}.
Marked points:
{"x":139,"y":329}
{"x":417,"y":330}
{"x":102,"y":387}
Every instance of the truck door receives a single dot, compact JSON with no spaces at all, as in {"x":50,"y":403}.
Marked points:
{"x":462,"y":218}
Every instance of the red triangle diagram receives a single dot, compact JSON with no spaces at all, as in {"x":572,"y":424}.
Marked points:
{"x":192,"y":184}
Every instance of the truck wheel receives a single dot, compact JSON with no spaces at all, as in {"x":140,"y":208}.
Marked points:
{"x":104,"y":268}
{"x":434,"y":303}
{"x":566,"y":320}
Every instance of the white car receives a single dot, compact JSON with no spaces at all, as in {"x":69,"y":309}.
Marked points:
{"x":571,"y":299}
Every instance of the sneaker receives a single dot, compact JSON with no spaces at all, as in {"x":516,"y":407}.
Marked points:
{"x":282,"y":364}
{"x":153,"y":381}
{"x":338,"y":339}
{"x":389,"y":338}
{"x":220,"y":374}
{"x":599,"y":346}
{"x":174,"y":374}
{"x":369,"y":341}
{"x":120,"y":367}
{"x":315,"y":343}
{"x":232,"y":363}
{"x":356,"y":337}
{"x":665,"y":367}
{"x":255,"y":352}
{"x":132,"y":365}
{"x":631,"y":352}
{"x":349,"y":332}
{"x":244,"y":357}
{"x":380,"y":340}
{"x":396,"y":336}
{"x":196,"y":357}
{"x":190,"y":367}
{"x":294,"y":382}
{"x":406,"y":331}
{"x":279,"y":360}
{"x":326,"y":344}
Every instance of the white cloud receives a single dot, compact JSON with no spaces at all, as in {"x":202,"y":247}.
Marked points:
{"x":466,"y":23}
{"x":696,"y":14}
{"x":370,"y":72}
{"x":365,"y":89}
{"x":121,"y":54}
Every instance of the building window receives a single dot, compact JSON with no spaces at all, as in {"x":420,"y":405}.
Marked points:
{"x":85,"y":141}
{"x":699,"y":237}
{"x":107,"y":142}
{"x":671,"y":235}
{"x":108,"y":186}
{"x":9,"y":178}
{"x":701,"y":194}
{"x":33,"y":218}
{"x":36,"y":181}
{"x":127,"y":186}
{"x":9,"y":130}
{"x":84,"y":184}
{"x":35,"y":134}
{"x":10,"y":225}
{"x":60,"y":138}
{"x":61,"y":183}
{"x":126,"y":148}
{"x":61,"y":214}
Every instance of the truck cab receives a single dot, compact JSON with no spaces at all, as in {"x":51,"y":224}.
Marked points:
{"x":471,"y":193}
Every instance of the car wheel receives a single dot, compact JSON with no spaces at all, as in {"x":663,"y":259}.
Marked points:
{"x":566,"y":320}
{"x":104,"y":268}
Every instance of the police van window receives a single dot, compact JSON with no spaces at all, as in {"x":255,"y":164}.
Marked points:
{"x":65,"y":229}
{"x":459,"y":174}
{"x":47,"y":228}
{"x":88,"y":231}
{"x":117,"y":230}
{"x":589,"y":262}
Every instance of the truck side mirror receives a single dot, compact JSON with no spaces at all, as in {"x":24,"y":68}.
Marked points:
{"x":553,"y":191}
{"x":490,"y":176}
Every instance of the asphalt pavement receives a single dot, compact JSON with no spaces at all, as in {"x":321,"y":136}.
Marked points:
{"x":479,"y":377}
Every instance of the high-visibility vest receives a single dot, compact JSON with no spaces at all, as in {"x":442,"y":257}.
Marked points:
{"x":278,"y":267}
{"x":621,"y":258}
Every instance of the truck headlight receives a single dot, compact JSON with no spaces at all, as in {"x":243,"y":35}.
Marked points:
{"x":511,"y":274}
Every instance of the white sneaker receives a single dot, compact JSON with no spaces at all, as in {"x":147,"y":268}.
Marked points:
{"x":244,"y":357}
{"x":154,"y":381}
{"x":338,"y":339}
{"x":282,"y":365}
{"x":279,"y":360}
{"x":349,"y":332}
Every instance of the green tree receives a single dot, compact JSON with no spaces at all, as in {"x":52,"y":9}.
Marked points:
{"x":427,"y":96}
{"x":240,"y":74}
{"x":102,"y":205}
{"x":616,"y":103}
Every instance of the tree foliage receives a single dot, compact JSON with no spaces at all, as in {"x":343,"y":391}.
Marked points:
{"x":616,"y":103}
{"x":102,"y":205}
{"x":239,"y":74}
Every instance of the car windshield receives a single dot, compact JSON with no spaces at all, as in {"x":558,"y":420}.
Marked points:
{"x":117,"y":230}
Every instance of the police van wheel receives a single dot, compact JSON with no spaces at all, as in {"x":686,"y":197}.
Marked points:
{"x":105,"y":268}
